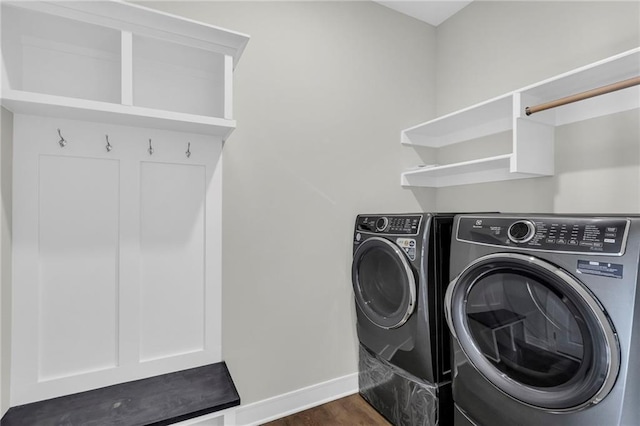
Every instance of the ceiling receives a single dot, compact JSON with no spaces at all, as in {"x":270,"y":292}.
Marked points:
{"x":431,"y":12}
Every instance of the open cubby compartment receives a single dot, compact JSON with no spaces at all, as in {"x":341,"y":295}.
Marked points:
{"x":174,"y":77}
{"x":611,"y":70}
{"x":54,"y":55}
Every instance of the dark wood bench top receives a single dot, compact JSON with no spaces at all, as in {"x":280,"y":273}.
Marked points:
{"x":157,"y":401}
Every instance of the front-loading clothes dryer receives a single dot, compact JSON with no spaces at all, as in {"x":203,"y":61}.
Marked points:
{"x":399,"y":275}
{"x":545,"y":315}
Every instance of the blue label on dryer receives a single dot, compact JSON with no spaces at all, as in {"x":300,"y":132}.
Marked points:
{"x":603,"y":269}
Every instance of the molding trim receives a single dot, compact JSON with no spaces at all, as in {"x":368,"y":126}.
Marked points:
{"x":298,"y":400}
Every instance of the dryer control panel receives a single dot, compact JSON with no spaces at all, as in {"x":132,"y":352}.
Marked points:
{"x":389,"y":224}
{"x":565,"y":234}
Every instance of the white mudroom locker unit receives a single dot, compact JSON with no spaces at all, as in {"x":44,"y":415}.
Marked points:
{"x":119,"y":118}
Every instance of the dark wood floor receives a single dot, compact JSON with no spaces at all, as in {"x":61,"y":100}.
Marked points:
{"x":351,"y":410}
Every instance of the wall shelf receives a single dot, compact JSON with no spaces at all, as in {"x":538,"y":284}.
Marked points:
{"x":117,"y":62}
{"x":487,"y":118}
{"x":532,"y":136}
{"x":30,"y":103}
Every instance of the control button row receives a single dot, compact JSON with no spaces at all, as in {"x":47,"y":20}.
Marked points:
{"x":563,"y":241}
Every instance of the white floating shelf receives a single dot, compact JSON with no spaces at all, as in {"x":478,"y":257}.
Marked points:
{"x":490,"y":169}
{"x":532,"y":136}
{"x":80,"y":109}
{"x":487,"y":118}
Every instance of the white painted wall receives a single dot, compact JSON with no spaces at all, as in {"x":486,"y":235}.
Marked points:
{"x":492,"y":47}
{"x":321,"y":94}
{"x":6,"y":154}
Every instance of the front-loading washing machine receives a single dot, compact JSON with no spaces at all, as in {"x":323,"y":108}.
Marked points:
{"x":399,"y":274}
{"x":545,"y":315}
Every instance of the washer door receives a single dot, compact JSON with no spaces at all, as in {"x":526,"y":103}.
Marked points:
{"x":383,"y":282}
{"x":534,"y":332}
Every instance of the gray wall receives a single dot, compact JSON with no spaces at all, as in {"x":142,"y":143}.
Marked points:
{"x":491,"y":48}
{"x":6,"y":155}
{"x":321,"y":94}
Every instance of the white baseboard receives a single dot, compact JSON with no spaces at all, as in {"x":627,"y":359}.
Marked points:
{"x":292,"y":402}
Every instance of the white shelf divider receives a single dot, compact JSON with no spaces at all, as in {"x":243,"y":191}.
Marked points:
{"x":228,"y":87}
{"x":127,"y":68}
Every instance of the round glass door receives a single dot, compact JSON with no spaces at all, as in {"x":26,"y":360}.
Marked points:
{"x":534,"y":332}
{"x":383,"y":283}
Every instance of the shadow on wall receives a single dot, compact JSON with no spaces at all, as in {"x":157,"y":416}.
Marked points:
{"x":608,"y":142}
{"x":598,"y":165}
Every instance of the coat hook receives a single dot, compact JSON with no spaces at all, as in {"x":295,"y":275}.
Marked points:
{"x":150,"y":148}
{"x":109,"y":147}
{"x":188,"y":150}
{"x":62,"y":140}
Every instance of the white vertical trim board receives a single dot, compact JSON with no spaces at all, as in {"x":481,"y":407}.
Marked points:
{"x":299,"y":400}
{"x":126,"y":80}
{"x":228,"y":88}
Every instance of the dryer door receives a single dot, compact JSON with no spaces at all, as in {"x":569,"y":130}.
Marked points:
{"x":534,"y":331}
{"x":383,"y":282}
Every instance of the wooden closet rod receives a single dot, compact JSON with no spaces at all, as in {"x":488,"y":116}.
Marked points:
{"x":584,"y":95}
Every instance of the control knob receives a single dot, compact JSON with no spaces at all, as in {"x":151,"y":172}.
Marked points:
{"x":521,"y":231}
{"x":381,"y":224}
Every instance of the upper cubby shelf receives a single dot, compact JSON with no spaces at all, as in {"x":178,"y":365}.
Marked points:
{"x":118,"y":62}
{"x":532,"y":136}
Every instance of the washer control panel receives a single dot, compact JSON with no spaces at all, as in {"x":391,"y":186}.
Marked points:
{"x":566,"y":234}
{"x":389,"y":224}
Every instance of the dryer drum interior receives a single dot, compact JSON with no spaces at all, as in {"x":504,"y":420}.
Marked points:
{"x":534,"y":331}
{"x":383,"y":282}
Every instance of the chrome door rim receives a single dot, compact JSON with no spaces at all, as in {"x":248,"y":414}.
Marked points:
{"x":478,"y":360}
{"x":408,"y":272}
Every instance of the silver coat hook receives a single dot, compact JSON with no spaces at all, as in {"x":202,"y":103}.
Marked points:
{"x":150,"y":148}
{"x":62,"y":140}
{"x":109,"y":147}
{"x":188,"y":150}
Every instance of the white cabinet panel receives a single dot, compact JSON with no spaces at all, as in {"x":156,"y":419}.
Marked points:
{"x":172,"y":230}
{"x":78,"y":261}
